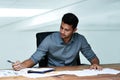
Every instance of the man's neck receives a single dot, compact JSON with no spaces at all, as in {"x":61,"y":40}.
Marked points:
{"x":66,"y":40}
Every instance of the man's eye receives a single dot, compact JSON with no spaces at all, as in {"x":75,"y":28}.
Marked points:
{"x":61,"y":28}
{"x":66,"y":30}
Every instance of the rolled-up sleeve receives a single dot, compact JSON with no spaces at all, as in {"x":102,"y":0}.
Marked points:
{"x":86,"y":50}
{"x":40,"y":52}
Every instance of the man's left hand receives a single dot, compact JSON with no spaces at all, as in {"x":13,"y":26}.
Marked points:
{"x":96,"y":67}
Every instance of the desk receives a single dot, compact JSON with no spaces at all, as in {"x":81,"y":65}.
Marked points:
{"x":73,"y":77}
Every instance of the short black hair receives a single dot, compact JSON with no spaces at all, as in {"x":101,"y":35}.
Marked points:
{"x":71,"y":19}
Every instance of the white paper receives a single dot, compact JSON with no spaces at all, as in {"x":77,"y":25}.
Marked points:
{"x":85,"y":72}
{"x":23,"y":72}
{"x":5,"y":73}
{"x":88,"y":72}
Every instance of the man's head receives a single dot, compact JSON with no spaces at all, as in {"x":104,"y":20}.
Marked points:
{"x":68,"y":26}
{"x":70,"y":19}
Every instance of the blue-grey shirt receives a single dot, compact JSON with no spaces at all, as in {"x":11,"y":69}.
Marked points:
{"x":61,"y":54}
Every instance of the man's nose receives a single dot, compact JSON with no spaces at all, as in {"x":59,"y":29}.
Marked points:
{"x":62,"y":31}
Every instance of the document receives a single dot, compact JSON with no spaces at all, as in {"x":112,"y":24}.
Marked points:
{"x":46,"y":72}
{"x":7,"y":73}
{"x":88,"y":72}
{"x":26,"y":72}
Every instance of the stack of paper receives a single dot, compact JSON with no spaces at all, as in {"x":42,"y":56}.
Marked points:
{"x":7,"y":73}
{"x":88,"y":72}
{"x":39,"y":72}
{"x":29,"y":72}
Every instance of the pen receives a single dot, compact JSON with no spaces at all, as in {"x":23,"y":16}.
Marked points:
{"x":40,"y":72}
{"x":10,"y":61}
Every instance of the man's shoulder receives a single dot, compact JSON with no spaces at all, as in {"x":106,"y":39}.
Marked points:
{"x":78,"y":35}
{"x":53,"y":35}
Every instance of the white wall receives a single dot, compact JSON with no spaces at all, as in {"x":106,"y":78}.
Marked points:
{"x":15,"y":46}
{"x":99,"y":23}
{"x":105,"y":44}
{"x":21,"y":45}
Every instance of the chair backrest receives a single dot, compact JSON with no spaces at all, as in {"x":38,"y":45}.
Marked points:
{"x":39,"y":38}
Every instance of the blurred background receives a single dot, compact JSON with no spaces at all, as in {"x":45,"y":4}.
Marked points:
{"x":20,"y":20}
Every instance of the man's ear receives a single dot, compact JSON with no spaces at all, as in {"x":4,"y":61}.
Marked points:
{"x":75,"y":29}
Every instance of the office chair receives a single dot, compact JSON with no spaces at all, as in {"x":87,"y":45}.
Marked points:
{"x":39,"y":37}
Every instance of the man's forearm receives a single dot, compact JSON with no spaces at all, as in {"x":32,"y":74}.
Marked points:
{"x":95,"y":64}
{"x":95,"y":61}
{"x":27,"y":63}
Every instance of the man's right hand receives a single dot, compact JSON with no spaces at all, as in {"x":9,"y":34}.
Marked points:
{"x":17,"y":66}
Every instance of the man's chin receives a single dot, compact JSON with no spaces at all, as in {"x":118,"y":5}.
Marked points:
{"x":62,"y":36}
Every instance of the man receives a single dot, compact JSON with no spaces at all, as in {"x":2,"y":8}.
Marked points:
{"x":63,"y":47}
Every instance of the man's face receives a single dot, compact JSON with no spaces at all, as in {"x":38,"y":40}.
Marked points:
{"x":66,"y":30}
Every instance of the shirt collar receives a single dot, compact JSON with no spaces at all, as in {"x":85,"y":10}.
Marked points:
{"x":62,"y":42}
